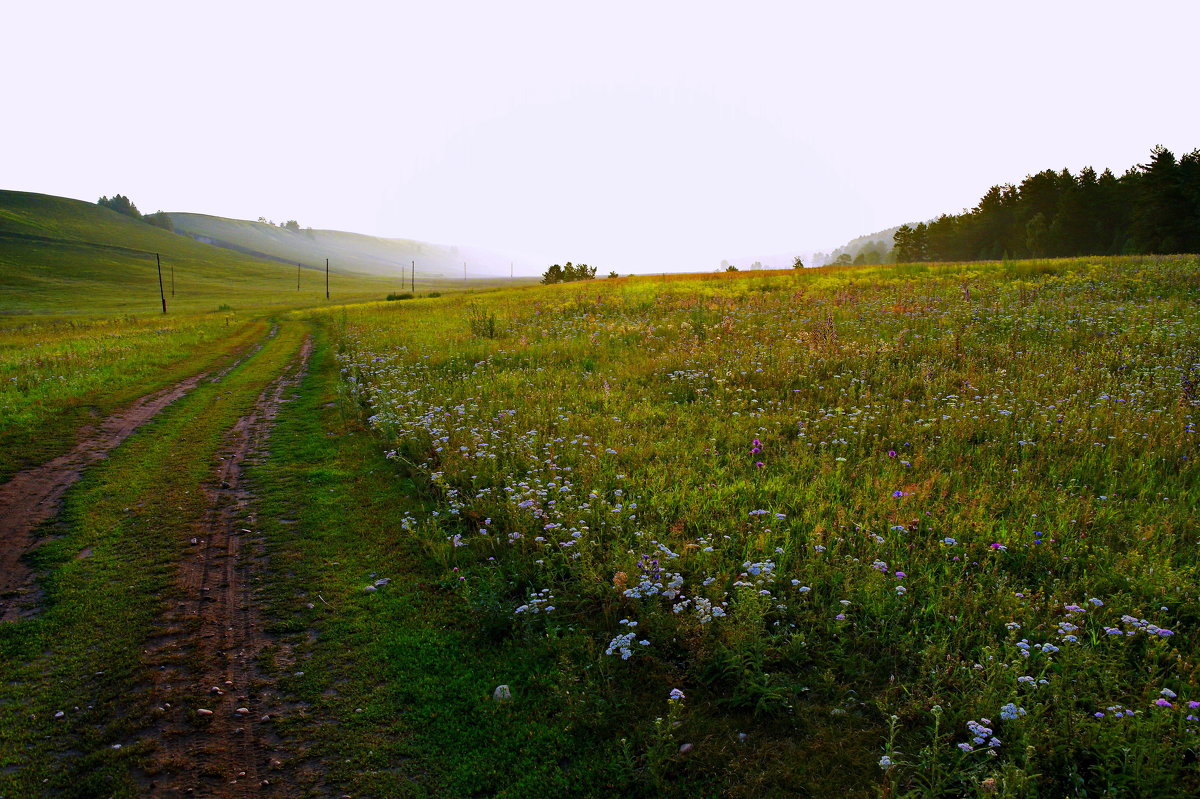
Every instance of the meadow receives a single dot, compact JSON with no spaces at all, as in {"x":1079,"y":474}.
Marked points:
{"x":915,"y":530}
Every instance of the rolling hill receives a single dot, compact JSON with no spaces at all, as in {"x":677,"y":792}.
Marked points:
{"x":68,"y":256}
{"x":347,"y":252}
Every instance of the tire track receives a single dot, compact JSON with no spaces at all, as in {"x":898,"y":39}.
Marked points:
{"x":214,"y":730}
{"x":34,"y":496}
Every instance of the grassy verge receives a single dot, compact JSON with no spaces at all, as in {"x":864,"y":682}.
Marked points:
{"x":72,"y":698}
{"x":396,"y":684}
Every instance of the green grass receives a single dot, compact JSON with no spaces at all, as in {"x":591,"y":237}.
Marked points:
{"x":108,"y":574}
{"x":396,"y":689}
{"x":1017,"y":439}
{"x":63,"y":256}
{"x":56,"y":376}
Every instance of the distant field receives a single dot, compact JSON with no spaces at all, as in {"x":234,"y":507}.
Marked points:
{"x":926,"y":528}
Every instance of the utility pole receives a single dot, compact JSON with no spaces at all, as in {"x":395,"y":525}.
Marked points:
{"x":464,"y":271}
{"x":510,"y":272}
{"x":161,"y":295}
{"x":326,"y":278}
{"x":297,"y":277}
{"x":413,"y":287}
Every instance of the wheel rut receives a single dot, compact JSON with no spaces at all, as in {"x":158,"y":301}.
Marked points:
{"x":35,"y":496}
{"x":215,"y":708}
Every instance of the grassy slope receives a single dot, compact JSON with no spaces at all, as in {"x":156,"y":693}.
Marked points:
{"x":353,"y":252}
{"x":59,"y":255}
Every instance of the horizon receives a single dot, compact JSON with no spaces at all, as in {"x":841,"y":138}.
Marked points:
{"x":637,"y":140}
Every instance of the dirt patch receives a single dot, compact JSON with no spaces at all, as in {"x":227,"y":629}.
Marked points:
{"x":35,"y":495}
{"x":215,"y":708}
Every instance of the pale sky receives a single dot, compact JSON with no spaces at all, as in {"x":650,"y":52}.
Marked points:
{"x":643,"y":136}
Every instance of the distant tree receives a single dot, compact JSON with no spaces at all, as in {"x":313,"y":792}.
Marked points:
{"x":121,"y":204}
{"x":613,"y":274}
{"x":724,"y":266}
{"x":554,"y":274}
{"x":797,"y":263}
{"x":845,"y":259}
{"x":756,"y":265}
{"x":568,"y":273}
{"x":731,"y":268}
{"x":292,"y":225}
{"x":159,"y":219}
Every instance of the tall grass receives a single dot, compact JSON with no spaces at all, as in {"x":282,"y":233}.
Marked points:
{"x":921,"y":502}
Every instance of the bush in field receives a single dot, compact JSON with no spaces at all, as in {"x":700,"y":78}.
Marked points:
{"x":568,"y":273}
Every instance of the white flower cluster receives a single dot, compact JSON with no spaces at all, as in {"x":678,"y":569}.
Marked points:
{"x":539,"y":602}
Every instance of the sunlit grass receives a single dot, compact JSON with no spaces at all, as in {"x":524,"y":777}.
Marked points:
{"x":827,"y":498}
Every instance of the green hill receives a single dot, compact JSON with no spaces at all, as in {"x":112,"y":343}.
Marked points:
{"x":68,"y":256}
{"x":347,"y":252}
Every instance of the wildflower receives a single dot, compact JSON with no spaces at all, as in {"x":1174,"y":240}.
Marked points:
{"x":891,"y":453}
{"x":1162,"y":702}
{"x":1168,"y":693}
{"x":900,"y":575}
{"x":885,"y":762}
{"x":1096,"y":602}
{"x":675,"y":694}
{"x":1011,"y":711}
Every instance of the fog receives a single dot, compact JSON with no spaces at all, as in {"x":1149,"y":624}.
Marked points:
{"x":630,"y":136}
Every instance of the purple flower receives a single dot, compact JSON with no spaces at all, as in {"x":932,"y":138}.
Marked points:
{"x":891,"y":453}
{"x":675,"y":694}
{"x":897,"y":493}
{"x":1162,"y":703}
{"x":760,"y":464}
{"x":900,"y":575}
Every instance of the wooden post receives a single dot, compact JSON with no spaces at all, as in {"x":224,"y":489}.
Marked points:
{"x":160,"y":285}
{"x":297,"y":277}
{"x":413,"y":285}
{"x":326,"y":278}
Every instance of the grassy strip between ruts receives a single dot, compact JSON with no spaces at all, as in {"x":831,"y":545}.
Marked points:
{"x":107,"y":578}
{"x":395,"y":686}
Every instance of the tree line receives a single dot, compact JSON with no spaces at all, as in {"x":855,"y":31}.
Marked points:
{"x":1153,"y":208}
